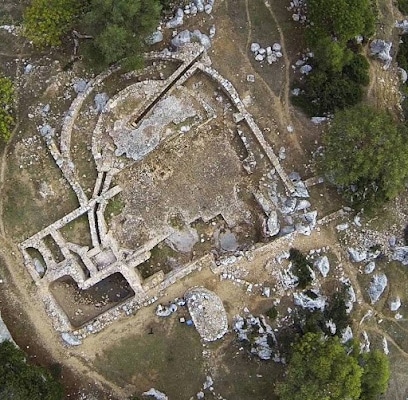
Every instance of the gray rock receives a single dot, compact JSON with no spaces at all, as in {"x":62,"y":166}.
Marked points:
{"x":277,"y":47}
{"x":305,"y":69}
{"x":323,"y":265}
{"x":403,"y":74}
{"x":80,"y":86}
{"x":4,"y":332}
{"x":357,"y":255}
{"x":202,"y":38}
{"x":177,"y":20}
{"x":282,"y":152}
{"x":382,"y":49}
{"x":70,"y":339}
{"x":370,"y":267}
{"x":288,"y":229}
{"x":301,"y":189}
{"x":46,"y":131}
{"x":212,"y":31}
{"x":183,"y":38}
{"x":311,"y":218}
{"x":395,"y":304}
{"x":255,"y":47}
{"x":100,"y":101}
{"x":228,"y":241}
{"x":39,"y":267}
{"x":200,"y":5}
{"x":318,"y":120}
{"x":304,"y":301}
{"x":155,"y":37}
{"x":392,"y":241}
{"x":401,"y":254}
{"x":377,"y":287}
{"x":28,"y":68}
{"x":271,"y":58}
{"x":289,"y":205}
{"x":46,"y":109}
{"x":184,"y":240}
{"x":346,"y":335}
{"x":342,"y":227}
{"x":155,"y":394}
{"x":193,"y":10}
{"x":259,"y":57}
{"x":273,"y":224}
{"x":302,"y":205}
{"x":303,"y":229}
{"x":208,"y":8}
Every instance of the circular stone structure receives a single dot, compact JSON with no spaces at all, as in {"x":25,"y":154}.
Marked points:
{"x":207,"y":312}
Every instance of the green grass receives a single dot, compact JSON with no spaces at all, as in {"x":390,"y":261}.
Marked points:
{"x":113,"y":208}
{"x":171,"y":363}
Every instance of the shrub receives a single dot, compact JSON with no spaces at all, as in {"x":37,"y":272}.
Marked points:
{"x":403,"y":6}
{"x":6,"y":107}
{"x":301,"y":267}
{"x":272,"y":313}
{"x":357,"y":70}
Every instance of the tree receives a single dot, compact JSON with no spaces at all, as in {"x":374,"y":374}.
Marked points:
{"x":342,"y":20}
{"x":119,"y":28}
{"x":6,"y":107}
{"x":366,"y":155}
{"x":302,"y":267}
{"x":21,"y":381}
{"x":45,"y":21}
{"x":375,"y":376}
{"x":320,"y":369}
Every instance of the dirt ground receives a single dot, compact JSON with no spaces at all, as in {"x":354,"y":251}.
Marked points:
{"x":125,"y":358}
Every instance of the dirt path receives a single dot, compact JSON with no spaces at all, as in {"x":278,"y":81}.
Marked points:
{"x":280,"y":102}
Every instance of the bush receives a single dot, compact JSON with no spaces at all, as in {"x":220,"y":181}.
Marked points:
{"x":272,"y":313}
{"x":337,"y":310}
{"x":403,"y":6}
{"x":357,"y":70}
{"x":301,"y":267}
{"x":366,"y":156}
{"x":19,"y":380}
{"x":325,"y":92}
{"x":6,"y":107}
{"x":45,"y":21}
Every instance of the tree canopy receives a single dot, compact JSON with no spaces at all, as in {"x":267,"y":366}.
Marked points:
{"x":320,"y":369}
{"x":6,"y":107}
{"x":341,"y":20}
{"x":22,"y":381}
{"x":45,"y":21}
{"x":366,"y":155}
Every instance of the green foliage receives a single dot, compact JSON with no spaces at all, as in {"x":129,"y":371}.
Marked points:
{"x":337,"y":310}
{"x":402,"y":55}
{"x":6,"y":107}
{"x":320,"y":369}
{"x":357,"y":69}
{"x":403,"y":6}
{"x":21,"y":381}
{"x":272,"y":313}
{"x":375,"y":376}
{"x":341,"y":19}
{"x":301,"y":267}
{"x":45,"y":21}
{"x":366,"y":155}
{"x":119,"y":28}
{"x":325,"y":92}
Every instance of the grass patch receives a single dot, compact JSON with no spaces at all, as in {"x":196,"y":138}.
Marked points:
{"x":77,"y":231}
{"x":170,"y":362}
{"x":113,"y":208}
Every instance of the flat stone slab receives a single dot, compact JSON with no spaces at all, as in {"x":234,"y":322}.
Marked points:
{"x":207,"y":312}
